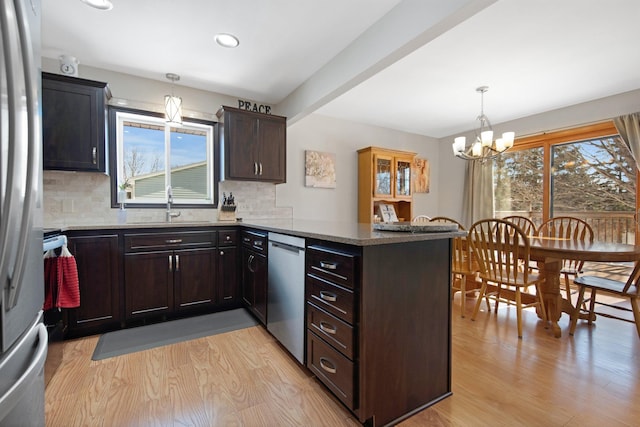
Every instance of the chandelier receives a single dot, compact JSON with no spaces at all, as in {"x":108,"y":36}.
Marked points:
{"x":484,"y":147}
{"x":173,"y":104}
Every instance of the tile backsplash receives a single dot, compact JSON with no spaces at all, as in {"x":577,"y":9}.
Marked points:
{"x":83,"y":198}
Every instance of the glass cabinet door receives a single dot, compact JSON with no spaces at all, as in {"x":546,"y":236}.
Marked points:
{"x":383,"y":175}
{"x":403,"y":178}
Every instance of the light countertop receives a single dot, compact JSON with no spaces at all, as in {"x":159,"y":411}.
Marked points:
{"x":336,"y":231}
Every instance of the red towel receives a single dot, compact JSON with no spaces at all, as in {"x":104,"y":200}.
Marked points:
{"x":50,"y":279}
{"x":68,"y":286}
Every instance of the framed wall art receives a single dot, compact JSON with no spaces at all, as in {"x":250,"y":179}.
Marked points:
{"x":320,"y":169}
{"x":420,"y":175}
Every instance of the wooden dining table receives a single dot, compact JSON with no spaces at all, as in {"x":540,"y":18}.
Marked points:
{"x":549,"y":252}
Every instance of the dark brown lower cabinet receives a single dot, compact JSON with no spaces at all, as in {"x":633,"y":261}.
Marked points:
{"x":169,"y":272}
{"x":227,"y":278}
{"x":254,"y":282}
{"x":379,"y":332}
{"x":169,"y":281}
{"x":98,"y":261}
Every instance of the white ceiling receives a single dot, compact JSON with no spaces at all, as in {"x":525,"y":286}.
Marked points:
{"x":535,"y":56}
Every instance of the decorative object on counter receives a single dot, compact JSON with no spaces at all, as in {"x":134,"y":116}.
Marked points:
{"x":420,"y":175}
{"x":387,"y":212}
{"x":484,"y":147}
{"x":320,"y":169}
{"x":415,"y":227}
{"x":173,"y":104}
{"x":227,"y":210}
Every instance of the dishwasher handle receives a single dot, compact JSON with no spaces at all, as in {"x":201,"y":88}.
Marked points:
{"x":286,"y":247}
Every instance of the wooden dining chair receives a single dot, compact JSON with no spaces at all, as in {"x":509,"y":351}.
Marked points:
{"x":569,"y":228}
{"x":421,"y":218}
{"x":629,"y":289}
{"x":524,"y":223}
{"x":498,"y":246}
{"x":465,"y":271}
{"x":447,"y":219}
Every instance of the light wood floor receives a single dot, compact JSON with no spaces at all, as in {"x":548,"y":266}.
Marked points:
{"x":244,"y":378}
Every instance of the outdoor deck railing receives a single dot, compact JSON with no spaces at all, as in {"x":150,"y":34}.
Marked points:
{"x":614,"y":227}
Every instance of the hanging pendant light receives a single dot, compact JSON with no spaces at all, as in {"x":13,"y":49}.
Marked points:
{"x":484,"y":147}
{"x":173,"y":104}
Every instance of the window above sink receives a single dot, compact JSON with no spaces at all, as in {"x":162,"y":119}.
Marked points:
{"x":149,"y":155}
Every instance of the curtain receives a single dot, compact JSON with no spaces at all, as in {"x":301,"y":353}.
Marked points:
{"x":629,"y":129}
{"x":478,"y":202}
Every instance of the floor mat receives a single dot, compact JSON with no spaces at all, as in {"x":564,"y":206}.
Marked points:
{"x":141,"y":338}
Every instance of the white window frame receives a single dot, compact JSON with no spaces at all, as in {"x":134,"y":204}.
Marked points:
{"x":122,"y":117}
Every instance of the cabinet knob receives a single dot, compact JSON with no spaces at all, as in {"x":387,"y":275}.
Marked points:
{"x":221,"y":252}
{"x":328,"y":296}
{"x":228,"y":238}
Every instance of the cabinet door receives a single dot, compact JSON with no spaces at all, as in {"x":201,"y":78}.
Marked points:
{"x":383,"y":176}
{"x":403,"y":178}
{"x":241,"y":141}
{"x":98,"y":264}
{"x":260,"y":287}
{"x":194,"y":278}
{"x":272,"y":150}
{"x":73,"y":126}
{"x":247,"y":276}
{"x":227,"y":275}
{"x":148,"y":279}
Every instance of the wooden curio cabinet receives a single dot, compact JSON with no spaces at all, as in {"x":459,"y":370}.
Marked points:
{"x":384,"y":176}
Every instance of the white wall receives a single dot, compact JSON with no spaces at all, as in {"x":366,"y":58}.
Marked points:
{"x":452,"y":169}
{"x":321,"y":133}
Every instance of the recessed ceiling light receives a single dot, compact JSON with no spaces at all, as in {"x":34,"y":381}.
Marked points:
{"x":227,"y":40}
{"x":99,"y":4}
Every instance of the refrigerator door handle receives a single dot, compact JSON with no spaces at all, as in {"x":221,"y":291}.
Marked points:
{"x":18,"y":389}
{"x":10,"y":102}
{"x":32,"y":161}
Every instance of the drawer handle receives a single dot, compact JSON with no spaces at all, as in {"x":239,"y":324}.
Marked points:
{"x":170,"y":263}
{"x":177,"y":262}
{"x":327,"y":365}
{"x":94,"y":155}
{"x":328,"y":265}
{"x":328,"y":328}
{"x":328,"y":296}
{"x":255,"y":168}
{"x":173,"y":241}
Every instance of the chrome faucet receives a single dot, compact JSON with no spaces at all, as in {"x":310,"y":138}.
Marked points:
{"x":169,"y":215}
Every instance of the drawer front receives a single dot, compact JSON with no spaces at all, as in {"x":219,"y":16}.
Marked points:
{"x":332,"y":368}
{"x":333,"y":330}
{"x":254,"y":240}
{"x":335,"y":266}
{"x":227,"y":237}
{"x":334,"y":299}
{"x":157,"y":241}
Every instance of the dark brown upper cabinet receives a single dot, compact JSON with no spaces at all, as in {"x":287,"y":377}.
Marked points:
{"x":74,"y":123}
{"x":254,"y":145}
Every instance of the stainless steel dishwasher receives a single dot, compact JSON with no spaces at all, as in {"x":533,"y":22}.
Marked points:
{"x":285,"y":295}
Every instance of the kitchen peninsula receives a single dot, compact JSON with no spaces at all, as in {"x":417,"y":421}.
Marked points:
{"x":382,"y":344}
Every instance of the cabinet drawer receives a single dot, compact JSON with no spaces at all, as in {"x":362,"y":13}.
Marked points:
{"x":157,"y":241}
{"x":335,"y":266}
{"x":334,"y":299}
{"x":333,"y":330}
{"x":227,"y":237}
{"x":331,"y":367}
{"x":257,"y":241}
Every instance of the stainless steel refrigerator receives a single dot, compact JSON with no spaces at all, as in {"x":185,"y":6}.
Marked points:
{"x":23,"y":337}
